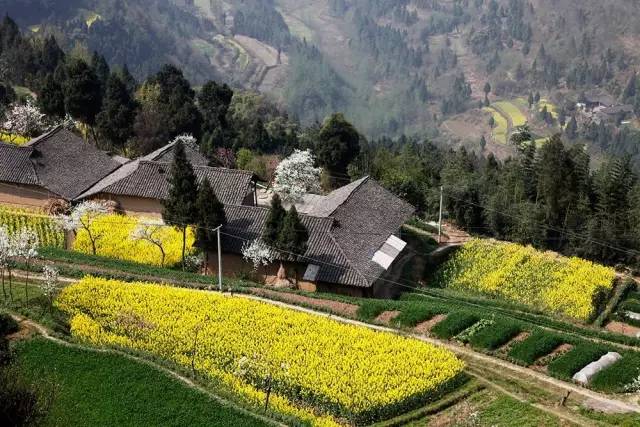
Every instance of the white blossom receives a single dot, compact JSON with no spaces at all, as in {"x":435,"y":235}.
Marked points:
{"x":6,"y":248}
{"x":50,"y":283}
{"x":151,"y":231}
{"x":296,"y":176}
{"x":83,"y":214}
{"x":25,"y":244}
{"x":186,"y":139}
{"x":24,"y":119}
{"x":258,"y":253}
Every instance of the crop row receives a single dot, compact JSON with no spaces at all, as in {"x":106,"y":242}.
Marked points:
{"x":335,"y":371}
{"x":49,"y":233}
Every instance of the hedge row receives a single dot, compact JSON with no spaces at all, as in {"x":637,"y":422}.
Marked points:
{"x":539,"y":344}
{"x":455,"y":323}
{"x":566,"y":366}
{"x":497,"y":335}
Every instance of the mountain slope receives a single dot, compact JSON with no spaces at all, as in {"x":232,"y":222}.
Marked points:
{"x":392,"y":65}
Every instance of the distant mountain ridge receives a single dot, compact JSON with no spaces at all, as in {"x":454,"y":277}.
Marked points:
{"x":393,"y":66}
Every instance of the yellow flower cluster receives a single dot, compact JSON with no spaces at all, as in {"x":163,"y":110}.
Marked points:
{"x":49,"y":234}
{"x":568,"y":286}
{"x":315,"y":365}
{"x":115,"y":239}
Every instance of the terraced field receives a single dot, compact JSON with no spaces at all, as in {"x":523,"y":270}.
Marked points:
{"x":500,"y":130}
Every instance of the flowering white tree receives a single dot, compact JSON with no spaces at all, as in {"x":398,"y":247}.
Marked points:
{"x":24,"y":119}
{"x":151,"y":231}
{"x":185,"y":138}
{"x":5,"y":254}
{"x":258,"y":253}
{"x":26,"y":245}
{"x":50,"y":284}
{"x":296,"y":176}
{"x":83,"y":217}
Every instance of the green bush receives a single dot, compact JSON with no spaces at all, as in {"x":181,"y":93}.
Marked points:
{"x":7,"y":325}
{"x":414,"y":313}
{"x":539,"y":344}
{"x":455,"y":323}
{"x":622,"y":373}
{"x":630,"y":305}
{"x":370,"y":309}
{"x":498,"y":334}
{"x":565,"y":366}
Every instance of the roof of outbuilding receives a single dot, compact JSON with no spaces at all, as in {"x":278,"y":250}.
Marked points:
{"x":58,"y":161}
{"x":343,"y":241}
{"x":149,"y":179}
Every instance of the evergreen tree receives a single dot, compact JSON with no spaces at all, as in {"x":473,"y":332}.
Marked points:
{"x":211,"y":215}
{"x":51,"y":55}
{"x":82,"y":91}
{"x":51,"y":97}
{"x":293,"y":236}
{"x":128,"y":79}
{"x":572,"y":128}
{"x":101,"y":69}
{"x":115,"y":120}
{"x":214,"y":101}
{"x":274,"y":222}
{"x":180,"y":208}
{"x":338,"y":145}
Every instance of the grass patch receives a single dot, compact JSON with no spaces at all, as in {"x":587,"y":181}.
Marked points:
{"x":498,"y":334}
{"x":516,"y":116}
{"x":501,"y":126}
{"x":506,"y":411}
{"x":412,"y":314}
{"x":370,"y":309}
{"x":565,"y":366}
{"x":108,"y":389}
{"x":455,"y":323}
{"x":539,"y":344}
{"x":614,"y":378}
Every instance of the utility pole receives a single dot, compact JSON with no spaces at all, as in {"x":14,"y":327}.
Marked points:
{"x":440,"y":217}
{"x":219,"y":258}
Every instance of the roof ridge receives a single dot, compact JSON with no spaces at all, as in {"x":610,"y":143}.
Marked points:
{"x":351,"y":264}
{"x":362,"y":181}
{"x":35,"y":141}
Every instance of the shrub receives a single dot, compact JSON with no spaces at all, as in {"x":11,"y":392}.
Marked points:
{"x":539,"y":344}
{"x":630,"y":305}
{"x":336,"y":369}
{"x":568,"y":286}
{"x":413,"y":313}
{"x":455,"y":323}
{"x":500,"y":333}
{"x":619,"y":375}
{"x":370,"y":309}
{"x":565,"y":366}
{"x":23,"y":403}
{"x":7,"y":324}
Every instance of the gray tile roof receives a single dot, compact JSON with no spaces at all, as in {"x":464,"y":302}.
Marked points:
{"x":58,"y":161}
{"x":149,"y":179}
{"x":165,"y":154}
{"x":246,"y":223}
{"x":342,"y":243}
{"x":315,"y":205}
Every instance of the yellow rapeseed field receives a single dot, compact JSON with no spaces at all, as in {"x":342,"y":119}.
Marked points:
{"x":568,"y":286}
{"x":15,"y":219}
{"x":321,"y":370}
{"x":115,"y":240}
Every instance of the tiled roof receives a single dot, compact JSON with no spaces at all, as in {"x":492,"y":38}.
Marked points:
{"x":246,"y":223}
{"x":149,"y":179}
{"x":165,"y":154}
{"x":342,"y":244}
{"x":58,"y":161}
{"x":316,"y":205}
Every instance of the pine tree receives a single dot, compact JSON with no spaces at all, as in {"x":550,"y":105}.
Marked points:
{"x":274,"y":222}
{"x":293,"y":236}
{"x":51,"y":97}
{"x":180,"y":209}
{"x":101,"y":68}
{"x":572,"y":128}
{"x":211,"y":215}
{"x":115,"y":120}
{"x":82,"y":91}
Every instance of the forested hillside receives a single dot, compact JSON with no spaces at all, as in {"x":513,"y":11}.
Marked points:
{"x":393,"y":66}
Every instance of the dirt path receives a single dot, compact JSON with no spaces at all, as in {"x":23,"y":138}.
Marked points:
{"x":41,"y":330}
{"x":477,"y":359}
{"x":506,"y":116}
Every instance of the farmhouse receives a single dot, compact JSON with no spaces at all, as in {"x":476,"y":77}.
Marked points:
{"x":56,"y":165}
{"x":353,"y":247}
{"x":353,"y":242}
{"x":140,"y":186}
